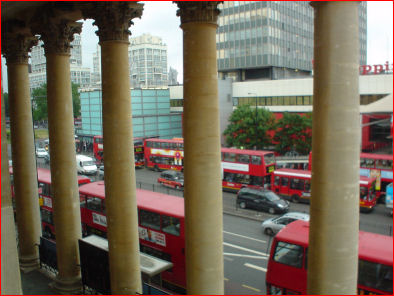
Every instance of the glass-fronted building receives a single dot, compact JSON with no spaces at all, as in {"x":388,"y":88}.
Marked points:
{"x":270,"y":39}
{"x":150,"y":110}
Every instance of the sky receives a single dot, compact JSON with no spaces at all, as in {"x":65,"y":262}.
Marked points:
{"x":159,"y":19}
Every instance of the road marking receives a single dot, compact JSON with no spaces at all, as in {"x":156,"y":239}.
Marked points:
{"x":245,"y":249}
{"x":256,"y":267}
{"x":228,"y":259}
{"x":234,"y":234}
{"x":251,"y":288}
{"x":242,"y":255}
{"x":226,"y":279}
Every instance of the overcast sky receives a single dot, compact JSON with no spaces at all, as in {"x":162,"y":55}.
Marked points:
{"x":159,"y":19}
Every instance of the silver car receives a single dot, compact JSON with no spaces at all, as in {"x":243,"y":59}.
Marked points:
{"x":273,"y":225}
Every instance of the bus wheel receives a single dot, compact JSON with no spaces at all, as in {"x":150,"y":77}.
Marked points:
{"x":268,"y":231}
{"x":242,"y":205}
{"x":295,"y":198}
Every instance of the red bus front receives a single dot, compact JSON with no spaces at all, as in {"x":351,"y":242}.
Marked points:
{"x":160,"y":227}
{"x":368,"y":194}
{"x":246,"y":168}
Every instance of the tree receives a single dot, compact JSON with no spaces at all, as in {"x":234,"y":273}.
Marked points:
{"x":250,"y":128}
{"x":294,"y":133}
{"x":40,"y":108}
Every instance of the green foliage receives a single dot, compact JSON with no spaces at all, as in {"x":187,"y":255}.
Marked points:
{"x":40,"y":108}
{"x":294,"y":133}
{"x":250,"y":128}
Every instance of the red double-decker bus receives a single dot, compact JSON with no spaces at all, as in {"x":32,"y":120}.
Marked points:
{"x":240,"y":168}
{"x":45,"y":198}
{"x":246,"y":168}
{"x":160,"y":227}
{"x":295,"y":185}
{"x":164,"y":154}
{"x":287,"y":263}
{"x":98,"y":150}
{"x":373,"y":165}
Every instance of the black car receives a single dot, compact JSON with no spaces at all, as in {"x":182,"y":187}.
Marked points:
{"x":47,"y":158}
{"x":262,"y":200}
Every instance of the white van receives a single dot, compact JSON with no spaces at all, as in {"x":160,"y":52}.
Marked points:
{"x":86,"y":165}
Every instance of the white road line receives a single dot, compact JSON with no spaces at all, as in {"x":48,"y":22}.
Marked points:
{"x":226,"y":258}
{"x":234,"y":234}
{"x":251,"y":288}
{"x":245,"y":249}
{"x":256,"y":267}
{"x":245,"y":256}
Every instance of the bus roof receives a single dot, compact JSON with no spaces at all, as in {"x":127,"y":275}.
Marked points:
{"x":147,"y":200}
{"x":372,"y":247}
{"x":44,"y":176}
{"x":376,"y":156}
{"x":244,"y":151}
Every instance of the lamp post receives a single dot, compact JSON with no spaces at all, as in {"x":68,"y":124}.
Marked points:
{"x":255,"y":120}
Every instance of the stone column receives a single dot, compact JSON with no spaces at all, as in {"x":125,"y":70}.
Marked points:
{"x":10,"y":274}
{"x":23,"y":149}
{"x":113,"y":21}
{"x":57,"y":35}
{"x":203,"y":185}
{"x":333,"y":237}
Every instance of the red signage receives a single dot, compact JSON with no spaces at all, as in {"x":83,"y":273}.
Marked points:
{"x":376,"y":69}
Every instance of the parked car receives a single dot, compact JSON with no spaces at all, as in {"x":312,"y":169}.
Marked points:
{"x":100,"y":172}
{"x":273,"y":225}
{"x":41,"y":152}
{"x":47,"y":158}
{"x":172,"y":179}
{"x":262,"y":200}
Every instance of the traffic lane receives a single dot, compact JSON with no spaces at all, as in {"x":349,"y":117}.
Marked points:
{"x":245,"y":251}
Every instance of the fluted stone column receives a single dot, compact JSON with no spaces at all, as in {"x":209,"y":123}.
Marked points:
{"x":10,"y":274}
{"x":333,"y":238}
{"x":57,"y":35}
{"x":203,"y":185}
{"x":113,"y":21}
{"x":23,"y":150}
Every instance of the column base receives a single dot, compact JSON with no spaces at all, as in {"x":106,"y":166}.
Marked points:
{"x":67,"y":286}
{"x":28,"y":264}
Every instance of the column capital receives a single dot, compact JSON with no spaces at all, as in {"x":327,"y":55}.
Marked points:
{"x":113,"y":19}
{"x":58,"y":34}
{"x":200,"y":12}
{"x":17,"y":41}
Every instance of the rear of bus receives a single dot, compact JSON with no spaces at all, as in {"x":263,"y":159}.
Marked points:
{"x":287,"y":270}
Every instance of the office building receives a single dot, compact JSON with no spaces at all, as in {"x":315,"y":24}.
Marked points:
{"x":79,"y":75}
{"x":271,"y":39}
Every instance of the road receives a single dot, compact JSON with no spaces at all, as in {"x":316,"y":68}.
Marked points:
{"x":245,"y":247}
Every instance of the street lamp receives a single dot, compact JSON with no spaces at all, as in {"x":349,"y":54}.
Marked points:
{"x":255,"y":120}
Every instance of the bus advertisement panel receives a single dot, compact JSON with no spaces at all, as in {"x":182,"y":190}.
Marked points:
{"x":160,"y":227}
{"x":295,"y":185}
{"x":287,"y":263}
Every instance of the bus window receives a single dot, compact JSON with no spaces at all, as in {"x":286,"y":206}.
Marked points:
{"x":256,"y":159}
{"x":284,"y":182}
{"x":269,"y":159}
{"x":46,"y":216}
{"x":229,"y":157}
{"x":276,"y":181}
{"x":93,"y":203}
{"x":258,"y":181}
{"x":376,"y":276}
{"x":45,"y":189}
{"x":243,"y":179}
{"x":82,"y":201}
{"x":170,"y":225}
{"x":229,"y":177}
{"x":297,"y":184}
{"x":363,"y":193}
{"x":307,"y":185}
{"x":149,"y":219}
{"x":289,"y":254}
{"x":243,"y":158}
{"x":149,"y":144}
